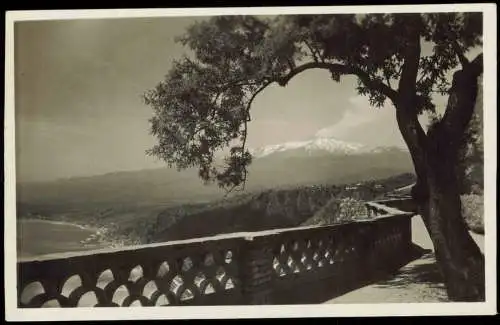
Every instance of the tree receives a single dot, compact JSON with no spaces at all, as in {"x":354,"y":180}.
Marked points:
{"x":470,"y":164}
{"x":203,"y":104}
{"x":303,"y":208}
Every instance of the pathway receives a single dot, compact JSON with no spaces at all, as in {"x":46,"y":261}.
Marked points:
{"x":418,"y":281}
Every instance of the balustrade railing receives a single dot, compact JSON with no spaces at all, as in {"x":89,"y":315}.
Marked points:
{"x":284,"y":266}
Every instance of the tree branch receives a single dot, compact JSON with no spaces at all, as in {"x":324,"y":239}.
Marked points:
{"x":409,"y":70}
{"x":245,"y":132}
{"x":406,"y":103}
{"x":264,"y":86}
{"x":462,"y":99}
{"x":388,"y":81}
{"x":230,"y":190}
{"x":313,"y":52}
{"x":460,"y":53}
{"x":343,"y":70}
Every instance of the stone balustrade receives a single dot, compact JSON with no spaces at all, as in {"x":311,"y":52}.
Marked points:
{"x":281,"y":266}
{"x":391,"y":206}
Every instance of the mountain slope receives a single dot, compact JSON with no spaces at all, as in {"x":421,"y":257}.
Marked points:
{"x":315,"y":161}
{"x":168,"y":187}
{"x":268,"y":209}
{"x":318,"y":146}
{"x":314,"y":146}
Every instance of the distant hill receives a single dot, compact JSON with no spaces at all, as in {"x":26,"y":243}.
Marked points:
{"x":130,"y":202}
{"x":167,"y":186}
{"x":278,"y":208}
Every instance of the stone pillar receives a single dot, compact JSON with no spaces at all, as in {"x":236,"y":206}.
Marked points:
{"x":256,"y":270}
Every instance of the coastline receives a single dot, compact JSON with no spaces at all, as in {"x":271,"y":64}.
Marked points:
{"x":63,"y":237}
{"x":64,"y":223}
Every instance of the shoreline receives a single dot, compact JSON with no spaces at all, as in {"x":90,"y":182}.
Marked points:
{"x":64,"y":223}
{"x":99,"y":236}
{"x":96,"y":237}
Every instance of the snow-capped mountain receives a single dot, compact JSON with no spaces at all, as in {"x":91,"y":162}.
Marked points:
{"x":318,"y":145}
{"x":314,"y":161}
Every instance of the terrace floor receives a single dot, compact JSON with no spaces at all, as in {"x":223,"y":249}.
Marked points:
{"x":418,"y":281}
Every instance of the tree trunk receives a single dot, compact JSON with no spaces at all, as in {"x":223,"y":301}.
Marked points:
{"x":438,"y":203}
{"x":460,"y":260}
{"x":438,"y":197}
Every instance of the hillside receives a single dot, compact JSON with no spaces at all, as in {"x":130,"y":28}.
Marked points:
{"x":165,"y":204}
{"x":277,"y":208}
{"x":168,"y":187}
{"x":266,"y":210}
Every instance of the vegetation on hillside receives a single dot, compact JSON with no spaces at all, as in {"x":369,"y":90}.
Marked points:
{"x":471,"y":170}
{"x":127,"y":223}
{"x":276,"y":208}
{"x":473,"y":211}
{"x":471,"y":165}
{"x":338,"y":210}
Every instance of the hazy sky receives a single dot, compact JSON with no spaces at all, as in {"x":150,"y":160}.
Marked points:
{"x":79,"y":109}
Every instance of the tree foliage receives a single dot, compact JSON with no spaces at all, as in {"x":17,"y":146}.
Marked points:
{"x":471,"y":163}
{"x":203,"y":104}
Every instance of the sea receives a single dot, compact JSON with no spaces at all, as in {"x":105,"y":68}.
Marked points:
{"x":40,"y":237}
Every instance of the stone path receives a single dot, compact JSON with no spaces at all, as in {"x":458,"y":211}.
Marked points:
{"x":418,"y":281}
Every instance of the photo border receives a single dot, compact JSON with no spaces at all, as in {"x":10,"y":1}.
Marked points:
{"x":261,"y":311}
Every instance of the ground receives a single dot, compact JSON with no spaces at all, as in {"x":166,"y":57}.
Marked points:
{"x":418,"y":281}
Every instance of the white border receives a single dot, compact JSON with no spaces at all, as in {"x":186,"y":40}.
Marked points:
{"x":321,"y":310}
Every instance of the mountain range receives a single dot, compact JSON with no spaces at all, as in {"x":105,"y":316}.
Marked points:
{"x":318,"y":146}
{"x":310,"y":162}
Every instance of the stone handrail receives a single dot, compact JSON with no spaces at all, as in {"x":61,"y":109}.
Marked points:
{"x":283,"y":266}
{"x":391,"y":206}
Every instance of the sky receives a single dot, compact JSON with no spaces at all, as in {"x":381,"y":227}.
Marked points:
{"x":79,"y":110}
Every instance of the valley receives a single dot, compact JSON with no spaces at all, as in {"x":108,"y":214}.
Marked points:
{"x":164,"y":204}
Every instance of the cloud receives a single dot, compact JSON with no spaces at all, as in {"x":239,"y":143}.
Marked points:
{"x":373,"y":126}
{"x":359,"y":114}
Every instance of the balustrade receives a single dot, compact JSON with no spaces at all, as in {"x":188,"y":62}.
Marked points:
{"x":294,"y":265}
